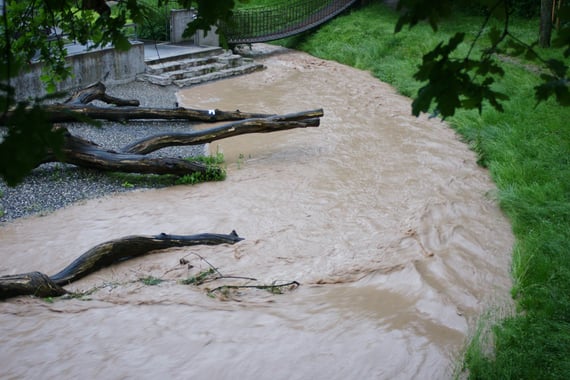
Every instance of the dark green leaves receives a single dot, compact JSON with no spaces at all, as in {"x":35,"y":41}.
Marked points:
{"x":414,"y":11}
{"x":456,"y":83}
{"x":556,"y":84}
{"x":553,"y":86}
{"x":29,"y":139}
{"x":209,"y":14}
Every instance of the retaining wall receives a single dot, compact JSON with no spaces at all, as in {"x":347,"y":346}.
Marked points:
{"x":107,"y":65}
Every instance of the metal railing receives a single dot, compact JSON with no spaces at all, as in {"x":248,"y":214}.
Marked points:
{"x":261,"y":24}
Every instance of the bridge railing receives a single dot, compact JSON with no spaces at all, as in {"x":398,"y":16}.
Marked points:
{"x":268,"y":23}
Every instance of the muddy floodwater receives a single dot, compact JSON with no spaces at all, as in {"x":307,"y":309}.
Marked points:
{"x":384,"y":219}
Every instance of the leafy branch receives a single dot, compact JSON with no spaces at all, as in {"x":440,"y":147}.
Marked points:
{"x":467,"y":83}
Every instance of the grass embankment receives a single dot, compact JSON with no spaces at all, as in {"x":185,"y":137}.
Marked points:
{"x":527,"y":151}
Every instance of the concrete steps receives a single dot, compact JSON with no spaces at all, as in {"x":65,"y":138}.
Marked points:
{"x":197,"y":67}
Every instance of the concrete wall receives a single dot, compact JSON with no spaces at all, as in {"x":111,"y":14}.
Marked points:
{"x":106,"y":65}
{"x":179,"y":18}
{"x":210,"y":39}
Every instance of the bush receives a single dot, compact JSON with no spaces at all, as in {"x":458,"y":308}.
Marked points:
{"x":156,"y":25}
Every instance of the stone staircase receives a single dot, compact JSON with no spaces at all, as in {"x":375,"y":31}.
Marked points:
{"x":197,"y":67}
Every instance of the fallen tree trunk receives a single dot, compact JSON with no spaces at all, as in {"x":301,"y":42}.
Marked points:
{"x":77,"y":108}
{"x":84,"y":153}
{"x":100,"y":256}
{"x":63,"y":113}
{"x":33,"y":283}
{"x":132,"y":159}
{"x":159,"y":141}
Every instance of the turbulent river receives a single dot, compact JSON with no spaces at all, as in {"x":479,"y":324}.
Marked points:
{"x":384,"y":219}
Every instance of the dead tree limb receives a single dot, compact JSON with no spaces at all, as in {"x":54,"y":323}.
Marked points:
{"x":273,"y":288}
{"x":100,"y":256}
{"x":33,"y":283}
{"x":63,"y":113}
{"x":98,"y":91}
{"x":87,"y":154}
{"x":77,"y":108}
{"x":110,"y":252}
{"x":153,"y":143}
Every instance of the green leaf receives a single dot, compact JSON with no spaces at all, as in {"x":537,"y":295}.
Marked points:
{"x":494,"y":36}
{"x":552,"y":86}
{"x":121,"y":42}
{"x":557,"y":67}
{"x":29,"y":140}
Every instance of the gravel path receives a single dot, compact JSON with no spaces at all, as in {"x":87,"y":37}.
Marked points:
{"x":53,"y":186}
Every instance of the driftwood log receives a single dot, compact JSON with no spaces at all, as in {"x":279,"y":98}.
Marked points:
{"x":132,"y":158}
{"x":100,"y":256}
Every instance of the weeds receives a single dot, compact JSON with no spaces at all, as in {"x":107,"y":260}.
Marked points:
{"x":200,"y":278}
{"x":214,"y":172}
{"x":151,"y":280}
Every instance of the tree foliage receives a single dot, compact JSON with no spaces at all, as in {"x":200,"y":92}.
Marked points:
{"x":454,"y":81}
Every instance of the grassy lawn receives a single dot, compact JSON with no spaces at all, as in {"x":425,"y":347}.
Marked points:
{"x":527,"y":152}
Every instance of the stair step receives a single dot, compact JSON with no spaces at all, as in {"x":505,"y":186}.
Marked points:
{"x":204,"y":52}
{"x":231,"y":60}
{"x":225,"y":73}
{"x":182,"y":64}
{"x":187,"y":70}
{"x":194,"y":71}
{"x":160,"y":80}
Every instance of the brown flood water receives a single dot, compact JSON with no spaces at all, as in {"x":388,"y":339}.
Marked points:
{"x":385,"y":220}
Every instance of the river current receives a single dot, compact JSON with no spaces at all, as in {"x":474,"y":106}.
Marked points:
{"x":385,"y":220}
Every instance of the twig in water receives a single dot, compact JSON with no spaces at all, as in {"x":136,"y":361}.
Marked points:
{"x":272,"y":288}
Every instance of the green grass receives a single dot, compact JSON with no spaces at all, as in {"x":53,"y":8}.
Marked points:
{"x":244,"y":4}
{"x":527,"y":151}
{"x":214,"y":172}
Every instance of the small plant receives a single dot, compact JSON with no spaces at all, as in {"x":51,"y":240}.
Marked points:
{"x":200,"y":278}
{"x":151,"y":280}
{"x":240,"y":160}
{"x":58,"y":173}
{"x":214,"y":171}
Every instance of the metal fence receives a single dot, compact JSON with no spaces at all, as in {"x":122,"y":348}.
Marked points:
{"x":260,"y":24}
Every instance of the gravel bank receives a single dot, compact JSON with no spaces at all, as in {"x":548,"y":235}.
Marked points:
{"x":53,"y":186}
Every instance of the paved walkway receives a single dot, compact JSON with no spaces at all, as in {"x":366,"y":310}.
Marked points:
{"x":152,"y":50}
{"x":160,"y":50}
